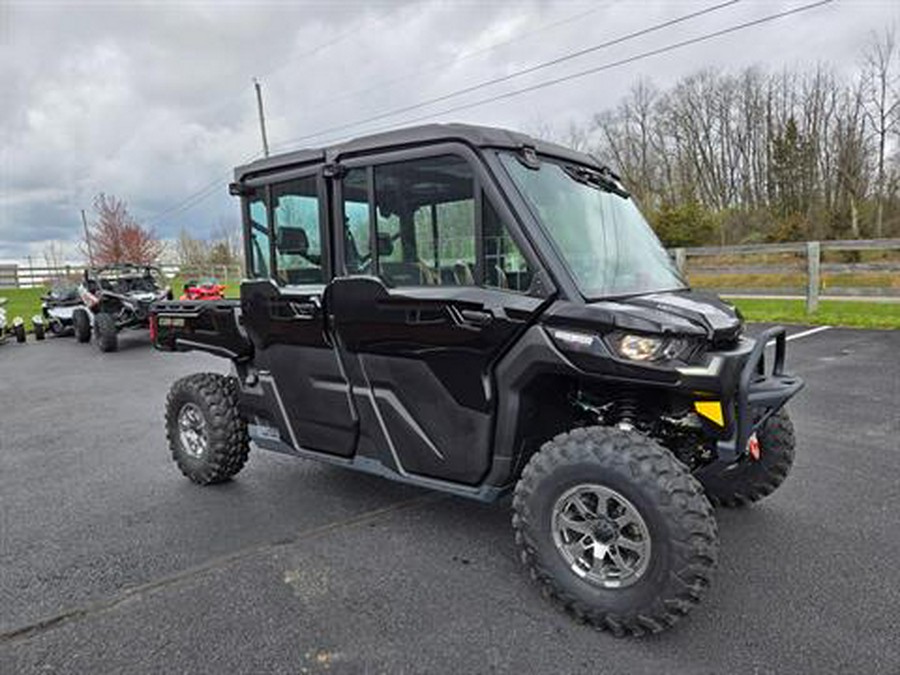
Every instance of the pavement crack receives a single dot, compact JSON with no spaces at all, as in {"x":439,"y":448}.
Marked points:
{"x":35,"y":628}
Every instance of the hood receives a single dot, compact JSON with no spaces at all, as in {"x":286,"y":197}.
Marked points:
{"x":675,"y":312}
{"x":721,"y":321}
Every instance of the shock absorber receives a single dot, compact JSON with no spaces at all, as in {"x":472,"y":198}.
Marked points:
{"x":627,"y":413}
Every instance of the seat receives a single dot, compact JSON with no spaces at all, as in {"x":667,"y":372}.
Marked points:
{"x":462,"y":273}
{"x":407,"y":273}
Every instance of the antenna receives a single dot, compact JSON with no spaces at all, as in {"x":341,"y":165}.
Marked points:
{"x":262,"y":117}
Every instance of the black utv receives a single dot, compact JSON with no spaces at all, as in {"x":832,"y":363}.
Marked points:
{"x":116,"y":297}
{"x":479,"y":312}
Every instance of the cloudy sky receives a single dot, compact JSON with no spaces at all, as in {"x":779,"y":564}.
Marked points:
{"x":154,"y":101}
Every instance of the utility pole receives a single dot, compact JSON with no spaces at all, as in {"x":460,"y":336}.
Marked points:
{"x":87,"y":238}
{"x":262,"y":117}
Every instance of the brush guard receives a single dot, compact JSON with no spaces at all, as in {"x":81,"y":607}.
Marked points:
{"x":759,"y":391}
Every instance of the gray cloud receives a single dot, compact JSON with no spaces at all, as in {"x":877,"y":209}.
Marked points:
{"x":154,"y":101}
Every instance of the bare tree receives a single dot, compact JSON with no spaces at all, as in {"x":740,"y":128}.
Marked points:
{"x":192,"y":253}
{"x":53,"y":254}
{"x":881,"y":99}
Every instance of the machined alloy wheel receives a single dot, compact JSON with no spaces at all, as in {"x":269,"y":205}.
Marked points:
{"x":615,"y":529}
{"x":207,"y":435}
{"x":192,"y":430}
{"x":601,"y":535}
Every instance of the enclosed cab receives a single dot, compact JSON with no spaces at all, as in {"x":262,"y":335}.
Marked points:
{"x":477,"y":311}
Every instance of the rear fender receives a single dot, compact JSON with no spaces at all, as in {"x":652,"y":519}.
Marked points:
{"x":211,"y":327}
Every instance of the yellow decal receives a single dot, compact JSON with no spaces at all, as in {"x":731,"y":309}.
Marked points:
{"x":711,"y":410}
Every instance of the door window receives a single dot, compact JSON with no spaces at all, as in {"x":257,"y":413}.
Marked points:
{"x":357,"y":250}
{"x":258,"y":234}
{"x":425,"y":222}
{"x":504,"y":265}
{"x":298,"y":232}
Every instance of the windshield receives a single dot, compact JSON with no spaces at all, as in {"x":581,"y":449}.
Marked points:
{"x":602,"y":236}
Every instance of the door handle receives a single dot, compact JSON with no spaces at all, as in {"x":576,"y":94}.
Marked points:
{"x":304,"y":310}
{"x":475,"y":317}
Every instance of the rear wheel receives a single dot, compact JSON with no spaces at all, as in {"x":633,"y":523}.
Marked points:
{"x":38,"y":331}
{"x":207,"y":436}
{"x":20,"y":332}
{"x":81,"y":322}
{"x":748,"y":480}
{"x":615,"y":529}
{"x":107,"y":335}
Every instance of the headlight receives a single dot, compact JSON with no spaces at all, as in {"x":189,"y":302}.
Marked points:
{"x":639,"y":347}
{"x":648,"y":347}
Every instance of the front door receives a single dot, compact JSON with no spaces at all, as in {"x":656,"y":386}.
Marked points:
{"x":304,"y":389}
{"x":435,"y":289}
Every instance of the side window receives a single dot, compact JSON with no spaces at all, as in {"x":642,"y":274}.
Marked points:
{"x":357,"y":248}
{"x":258,"y":235}
{"x":425,"y":222}
{"x":504,"y":265}
{"x":298,"y":232}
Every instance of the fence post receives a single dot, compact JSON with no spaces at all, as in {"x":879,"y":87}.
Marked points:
{"x":680,"y":259}
{"x":813,"y":258}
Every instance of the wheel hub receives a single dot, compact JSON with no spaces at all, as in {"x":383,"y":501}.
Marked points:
{"x":192,"y":430}
{"x":605,"y":530}
{"x":601,"y":535}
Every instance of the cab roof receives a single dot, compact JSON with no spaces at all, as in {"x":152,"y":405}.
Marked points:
{"x":472,"y":135}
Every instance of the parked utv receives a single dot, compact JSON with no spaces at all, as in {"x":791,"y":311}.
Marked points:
{"x":116,"y":297}
{"x":483,"y":313}
{"x":57,"y":310}
{"x":203,"y":290}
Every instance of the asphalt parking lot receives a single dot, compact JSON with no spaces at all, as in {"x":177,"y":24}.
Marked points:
{"x":111,"y":562}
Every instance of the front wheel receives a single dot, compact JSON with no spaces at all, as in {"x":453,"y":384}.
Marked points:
{"x":615,"y":529}
{"x":748,"y":480}
{"x":81,"y":322}
{"x":107,"y":334}
{"x":207,"y":436}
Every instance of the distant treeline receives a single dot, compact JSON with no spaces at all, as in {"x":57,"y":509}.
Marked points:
{"x":755,"y":156}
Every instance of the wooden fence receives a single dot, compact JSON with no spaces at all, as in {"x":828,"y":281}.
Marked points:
{"x":26,"y":276}
{"x":810,"y":261}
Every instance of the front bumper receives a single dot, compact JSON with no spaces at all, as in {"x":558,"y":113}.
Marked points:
{"x":759,"y":393}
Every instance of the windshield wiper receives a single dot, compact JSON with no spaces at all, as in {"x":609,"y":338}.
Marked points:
{"x":604,"y":179}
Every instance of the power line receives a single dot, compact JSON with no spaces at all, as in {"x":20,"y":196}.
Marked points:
{"x":559,"y":80}
{"x":381,"y":84}
{"x":205,"y":191}
{"x":525,"y":71}
{"x":597,"y":69}
{"x":208,"y":189}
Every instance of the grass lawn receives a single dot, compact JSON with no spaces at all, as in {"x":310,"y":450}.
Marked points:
{"x":850,"y":313}
{"x":24,"y":302}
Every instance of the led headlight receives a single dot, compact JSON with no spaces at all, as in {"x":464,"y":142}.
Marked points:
{"x":648,"y":347}
{"x":639,"y":347}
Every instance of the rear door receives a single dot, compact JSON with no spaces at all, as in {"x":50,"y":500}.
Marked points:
{"x":435,"y":287}
{"x":288,"y":249}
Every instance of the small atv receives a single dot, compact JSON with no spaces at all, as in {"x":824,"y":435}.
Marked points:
{"x":57,"y":309}
{"x":116,"y":297}
{"x":17,"y":328}
{"x":207,"y":290}
{"x":482,"y":313}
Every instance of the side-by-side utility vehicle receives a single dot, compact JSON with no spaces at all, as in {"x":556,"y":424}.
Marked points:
{"x":479,"y":312}
{"x":116,"y":297}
